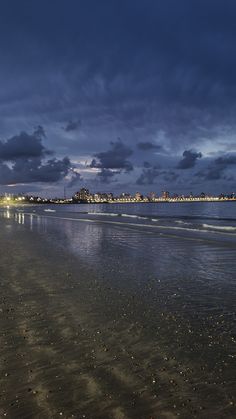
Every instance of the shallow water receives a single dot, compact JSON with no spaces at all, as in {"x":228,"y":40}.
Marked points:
{"x":103,"y":318}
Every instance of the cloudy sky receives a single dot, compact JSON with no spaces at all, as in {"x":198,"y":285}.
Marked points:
{"x":117,"y":95}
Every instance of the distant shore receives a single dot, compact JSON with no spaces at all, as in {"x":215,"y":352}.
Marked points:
{"x":157,"y":201}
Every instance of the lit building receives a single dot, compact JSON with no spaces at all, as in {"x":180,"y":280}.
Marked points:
{"x":152,"y":196}
{"x":165,"y":195}
{"x":138,"y":196}
{"x":83,"y":195}
{"x":110,"y":196}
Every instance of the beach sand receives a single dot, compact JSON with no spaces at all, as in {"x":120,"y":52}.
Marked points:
{"x":72,"y":347}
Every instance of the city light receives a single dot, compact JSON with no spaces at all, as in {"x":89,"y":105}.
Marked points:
{"x":85,"y":196}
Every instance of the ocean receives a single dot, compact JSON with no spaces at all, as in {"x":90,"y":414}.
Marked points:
{"x":119,"y":310}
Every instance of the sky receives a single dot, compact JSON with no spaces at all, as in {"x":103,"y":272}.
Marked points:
{"x":117,"y":95}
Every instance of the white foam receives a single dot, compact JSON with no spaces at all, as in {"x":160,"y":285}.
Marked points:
{"x":221,"y":228}
{"x":139,"y":217}
{"x":111,"y":214}
{"x":150,"y":226}
{"x":181,"y":222}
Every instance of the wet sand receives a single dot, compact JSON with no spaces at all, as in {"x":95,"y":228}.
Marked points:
{"x":74,"y":346}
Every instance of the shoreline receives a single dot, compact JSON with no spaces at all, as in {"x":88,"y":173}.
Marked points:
{"x":170,"y":201}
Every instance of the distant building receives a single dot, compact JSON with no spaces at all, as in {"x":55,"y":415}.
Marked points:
{"x":165,"y":195}
{"x":102,"y":197}
{"x":83,"y":195}
{"x":125,"y":197}
{"x":110,"y":196}
{"x":152,"y":196}
{"x":138,"y":196}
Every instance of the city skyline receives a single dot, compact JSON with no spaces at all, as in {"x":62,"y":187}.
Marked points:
{"x":115,"y":94}
{"x":84,"y":195}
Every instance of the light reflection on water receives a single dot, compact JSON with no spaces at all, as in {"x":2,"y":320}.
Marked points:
{"x":133,"y":255}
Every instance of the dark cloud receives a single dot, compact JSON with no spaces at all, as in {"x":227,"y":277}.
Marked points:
{"x":115,"y":158}
{"x":39,"y":132}
{"x":148,"y":176}
{"x":72,"y":125}
{"x":189,"y":159}
{"x":216,"y":170}
{"x":146,"y":164}
{"x":169,"y":176}
{"x":23,"y":160}
{"x":160,"y":55}
{"x":75,"y":179}
{"x":225,"y":161}
{"x":24,"y":145}
{"x":106,"y":175}
{"x":212,"y":173}
{"x":33,"y":170}
{"x":151,"y":173}
{"x":146,"y":146}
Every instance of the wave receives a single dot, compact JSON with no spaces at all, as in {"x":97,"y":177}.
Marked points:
{"x":49,"y":210}
{"x":201,"y":228}
{"x":138,"y":217}
{"x":221,"y":228}
{"x":111,"y":214}
{"x":179,"y":219}
{"x":181,"y":222}
{"x":165,"y":227}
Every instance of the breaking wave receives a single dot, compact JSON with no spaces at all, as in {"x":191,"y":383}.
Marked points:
{"x":221,"y":228}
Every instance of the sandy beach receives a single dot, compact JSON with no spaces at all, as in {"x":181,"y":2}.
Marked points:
{"x":74,"y":344}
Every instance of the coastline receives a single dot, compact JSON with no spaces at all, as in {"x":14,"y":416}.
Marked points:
{"x":114,"y":202}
